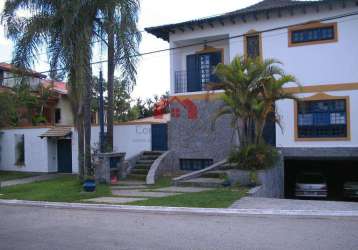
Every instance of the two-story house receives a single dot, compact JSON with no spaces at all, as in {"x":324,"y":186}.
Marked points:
{"x":35,"y":147}
{"x":317,"y":42}
{"x":57,"y":111}
{"x":52,"y":146}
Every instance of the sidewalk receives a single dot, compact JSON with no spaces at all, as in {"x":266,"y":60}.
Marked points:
{"x":290,"y":204}
{"x":185,"y":210}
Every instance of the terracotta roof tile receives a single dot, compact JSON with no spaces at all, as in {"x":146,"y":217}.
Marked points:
{"x":57,"y":132}
{"x":59,"y":87}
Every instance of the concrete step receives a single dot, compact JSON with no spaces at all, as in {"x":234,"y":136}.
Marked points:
{"x":152,"y":153}
{"x":142,"y":166}
{"x":139,"y":171}
{"x":129,"y":187}
{"x":228,"y":166}
{"x":129,"y":182}
{"x":137,"y":176}
{"x":220,"y":174}
{"x":150,"y":162}
{"x":202,"y":182}
{"x":149,"y":157}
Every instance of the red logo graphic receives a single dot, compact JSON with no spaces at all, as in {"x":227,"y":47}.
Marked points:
{"x":162,"y":106}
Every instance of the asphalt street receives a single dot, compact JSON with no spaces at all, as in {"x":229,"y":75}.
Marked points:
{"x":50,"y":228}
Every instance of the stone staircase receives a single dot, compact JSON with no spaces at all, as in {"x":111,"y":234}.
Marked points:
{"x":143,"y":164}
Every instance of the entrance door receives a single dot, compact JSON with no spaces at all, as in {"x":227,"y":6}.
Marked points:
{"x":64,"y":156}
{"x":159,"y":137}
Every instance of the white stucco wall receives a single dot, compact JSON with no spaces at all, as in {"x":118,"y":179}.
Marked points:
{"x":41,"y":154}
{"x":131,"y":139}
{"x":52,"y":155}
{"x":311,"y":64}
{"x":320,"y":64}
{"x":36,"y":150}
{"x":66,"y":111}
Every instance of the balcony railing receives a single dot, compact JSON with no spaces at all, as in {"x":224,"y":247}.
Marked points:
{"x":181,"y":82}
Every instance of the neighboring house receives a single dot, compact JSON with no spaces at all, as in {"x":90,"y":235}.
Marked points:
{"x":315,"y":40}
{"x":52,"y":147}
{"x":57,"y":111}
{"x":10,"y":76}
{"x":23,"y":147}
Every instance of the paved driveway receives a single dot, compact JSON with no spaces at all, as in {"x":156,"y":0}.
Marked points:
{"x":48,"y":228}
{"x":288,"y":204}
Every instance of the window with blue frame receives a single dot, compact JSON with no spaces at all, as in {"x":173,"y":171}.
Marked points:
{"x":200,"y":70}
{"x":253,"y":46}
{"x":194,"y":164}
{"x":322,"y":119}
{"x":313,"y":34}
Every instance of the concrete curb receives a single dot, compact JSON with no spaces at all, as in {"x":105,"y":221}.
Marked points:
{"x":182,"y":210}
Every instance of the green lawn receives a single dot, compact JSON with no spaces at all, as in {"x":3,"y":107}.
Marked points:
{"x":10,"y":175}
{"x":69,"y":189}
{"x":217,"y":198}
{"x":161,"y":183}
{"x":63,"y":189}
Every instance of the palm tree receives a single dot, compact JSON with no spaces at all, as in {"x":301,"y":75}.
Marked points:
{"x":65,"y":29}
{"x":251,"y":89}
{"x":119,"y":23}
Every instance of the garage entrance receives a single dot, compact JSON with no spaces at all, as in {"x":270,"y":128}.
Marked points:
{"x":333,"y":177}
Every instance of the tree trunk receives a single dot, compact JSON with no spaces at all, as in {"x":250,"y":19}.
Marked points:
{"x":111,"y":68}
{"x":87,"y":122}
{"x":241,"y":130}
{"x":76,"y":99}
{"x":80,"y":145}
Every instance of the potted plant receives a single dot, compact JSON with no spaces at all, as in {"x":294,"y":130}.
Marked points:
{"x":89,"y":185}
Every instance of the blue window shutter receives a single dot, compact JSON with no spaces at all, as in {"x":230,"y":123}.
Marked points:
{"x":193,"y":73}
{"x":215,"y":59}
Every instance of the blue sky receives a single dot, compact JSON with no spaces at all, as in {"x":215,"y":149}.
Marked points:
{"x":153,"y":70}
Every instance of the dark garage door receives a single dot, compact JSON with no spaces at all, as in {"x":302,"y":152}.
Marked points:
{"x":64,"y":156}
{"x":336,"y":172}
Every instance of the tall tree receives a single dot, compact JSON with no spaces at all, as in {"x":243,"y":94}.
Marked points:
{"x":65,"y":29}
{"x":121,"y":35}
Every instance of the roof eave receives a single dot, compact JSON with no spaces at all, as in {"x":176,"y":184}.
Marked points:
{"x":164,"y":30}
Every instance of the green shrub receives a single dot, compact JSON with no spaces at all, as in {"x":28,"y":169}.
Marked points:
{"x":254,"y":157}
{"x":39,"y":119}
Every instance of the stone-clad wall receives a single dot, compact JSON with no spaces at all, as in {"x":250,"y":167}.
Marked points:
{"x":196,"y":138}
